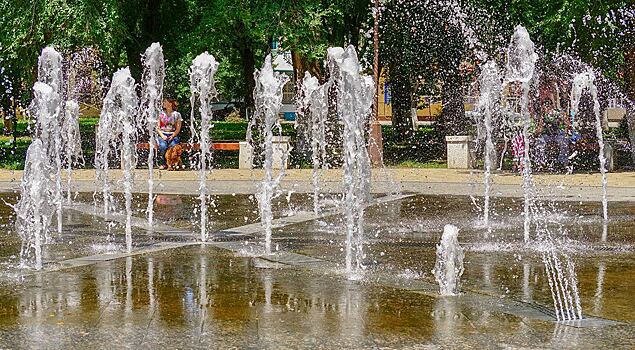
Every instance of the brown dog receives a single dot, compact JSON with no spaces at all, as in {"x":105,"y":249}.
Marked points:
{"x":173,"y":158}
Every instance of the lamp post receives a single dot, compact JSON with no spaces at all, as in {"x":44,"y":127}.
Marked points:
{"x":375,"y":144}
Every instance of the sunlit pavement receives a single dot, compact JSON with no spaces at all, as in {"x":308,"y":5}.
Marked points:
{"x":577,"y":187}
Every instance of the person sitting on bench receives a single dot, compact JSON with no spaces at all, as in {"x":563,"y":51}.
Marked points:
{"x":170,"y":121}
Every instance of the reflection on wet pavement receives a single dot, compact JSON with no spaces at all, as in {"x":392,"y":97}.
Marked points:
{"x":201,"y":296}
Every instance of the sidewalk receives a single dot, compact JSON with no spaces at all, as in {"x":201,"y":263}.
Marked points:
{"x":427,"y":181}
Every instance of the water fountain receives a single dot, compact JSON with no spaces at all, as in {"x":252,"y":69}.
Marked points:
{"x":35,"y":209}
{"x":563,"y":283}
{"x":521,"y":62}
{"x":116,"y":134}
{"x":319,"y":113}
{"x":490,"y":85}
{"x":48,"y":129}
{"x":354,"y":101}
{"x":560,"y":269}
{"x":202,"y":85}
{"x":71,"y":139}
{"x":151,"y":98}
{"x":37,"y":191}
{"x":448,"y":268}
{"x":586,"y":81}
{"x":268,"y":100}
{"x":314,"y":101}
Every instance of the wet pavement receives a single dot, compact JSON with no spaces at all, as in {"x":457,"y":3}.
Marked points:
{"x":217,"y":296}
{"x":86,"y":232}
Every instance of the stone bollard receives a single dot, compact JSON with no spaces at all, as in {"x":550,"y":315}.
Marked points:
{"x":281,"y":145}
{"x":245,"y":156}
{"x":459,"y":150}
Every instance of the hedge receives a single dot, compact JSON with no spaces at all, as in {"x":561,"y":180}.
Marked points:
{"x":425,"y":146}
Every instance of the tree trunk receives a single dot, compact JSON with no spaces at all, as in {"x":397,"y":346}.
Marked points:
{"x":453,"y":117}
{"x":303,"y":118}
{"x":334,"y":130}
{"x":248,"y":62}
{"x":249,"y":67}
{"x":134,"y":62}
{"x":401,"y":94}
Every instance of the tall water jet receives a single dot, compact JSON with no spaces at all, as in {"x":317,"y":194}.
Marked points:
{"x":586,"y":81}
{"x":314,"y":102}
{"x":151,"y":98}
{"x":72,"y":149}
{"x":202,"y":85}
{"x":490,"y":86}
{"x":116,"y":134}
{"x":268,"y":100}
{"x":49,"y":130}
{"x":355,"y":95}
{"x":37,"y":191}
{"x":521,"y":63}
{"x":319,"y":142}
{"x":35,"y":208}
{"x":448,"y":268}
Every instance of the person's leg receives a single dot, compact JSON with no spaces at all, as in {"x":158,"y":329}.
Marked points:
{"x":175,"y":141}
{"x":563,"y":143}
{"x":163,"y":146}
{"x":541,"y":144}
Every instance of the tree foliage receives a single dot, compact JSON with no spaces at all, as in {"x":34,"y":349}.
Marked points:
{"x":424,"y":43}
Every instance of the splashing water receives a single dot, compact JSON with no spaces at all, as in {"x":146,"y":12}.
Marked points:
{"x":319,"y":142}
{"x":563,"y":284}
{"x":268,"y":99}
{"x":49,"y":68}
{"x":151,"y":97}
{"x":354,"y":102}
{"x":117,"y":133}
{"x":35,"y":208}
{"x":202,"y":85}
{"x":582,"y":81}
{"x":37,"y":201}
{"x":560,"y":270}
{"x":458,"y":17}
{"x":521,"y":63}
{"x":490,"y":93}
{"x":448,"y":268}
{"x":72,"y":150}
{"x":314,"y":99}
{"x":49,"y":129}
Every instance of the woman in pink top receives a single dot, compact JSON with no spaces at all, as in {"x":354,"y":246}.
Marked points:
{"x":170,"y":121}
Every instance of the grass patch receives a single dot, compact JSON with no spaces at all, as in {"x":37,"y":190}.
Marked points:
{"x":433,"y":164}
{"x":12,"y":155}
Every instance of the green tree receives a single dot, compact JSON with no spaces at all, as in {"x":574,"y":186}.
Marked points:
{"x":423,"y":44}
{"x":32,"y":25}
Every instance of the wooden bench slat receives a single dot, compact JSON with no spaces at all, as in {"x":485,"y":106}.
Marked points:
{"x":226,"y":146}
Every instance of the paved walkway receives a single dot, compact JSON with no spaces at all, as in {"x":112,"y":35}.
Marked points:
{"x":578,"y":187}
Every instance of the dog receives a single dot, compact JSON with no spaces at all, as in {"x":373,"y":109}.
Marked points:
{"x":173,"y":158}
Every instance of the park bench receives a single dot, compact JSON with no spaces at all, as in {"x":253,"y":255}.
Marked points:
{"x":281,"y":145}
{"x":245,"y":151}
{"x":217,"y":146}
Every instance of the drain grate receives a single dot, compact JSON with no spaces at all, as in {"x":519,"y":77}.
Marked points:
{"x":230,"y":237}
